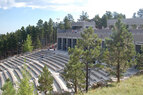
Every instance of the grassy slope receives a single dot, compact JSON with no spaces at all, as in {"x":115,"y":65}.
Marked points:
{"x":132,"y":86}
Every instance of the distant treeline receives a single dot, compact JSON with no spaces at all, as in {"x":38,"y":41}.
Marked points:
{"x":43,"y":32}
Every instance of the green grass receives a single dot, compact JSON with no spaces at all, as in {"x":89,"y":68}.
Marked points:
{"x":131,"y":86}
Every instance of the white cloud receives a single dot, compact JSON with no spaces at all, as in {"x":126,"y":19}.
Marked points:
{"x":21,"y":4}
{"x":5,"y":4}
{"x":62,"y":1}
{"x":76,"y":6}
{"x":65,"y":5}
{"x":127,"y":7}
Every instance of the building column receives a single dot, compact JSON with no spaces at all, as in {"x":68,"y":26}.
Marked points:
{"x":66,"y":44}
{"x":74,"y":42}
{"x":61,"y":43}
{"x":138,"y":48}
{"x":71,"y":43}
{"x":58,"y":44}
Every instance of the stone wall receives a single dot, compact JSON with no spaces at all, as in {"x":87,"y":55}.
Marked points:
{"x":133,"y":21}
{"x":84,"y":24}
{"x":102,"y":33}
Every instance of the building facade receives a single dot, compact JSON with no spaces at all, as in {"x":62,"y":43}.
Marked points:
{"x":68,"y":38}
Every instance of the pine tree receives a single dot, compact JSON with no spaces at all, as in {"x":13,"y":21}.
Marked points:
{"x":45,"y":81}
{"x":84,"y":16}
{"x":98,"y":21}
{"x":38,"y":43}
{"x":67,"y":23}
{"x":140,"y":13}
{"x":46,"y":33}
{"x":104,"y":21}
{"x":139,"y":58}
{"x":61,"y":25}
{"x":8,"y":88}
{"x":91,"y":45}
{"x":73,"y":72}
{"x":25,"y":86}
{"x":51,"y":31}
{"x":120,"y":50}
{"x":27,"y":47}
{"x":40,"y":24}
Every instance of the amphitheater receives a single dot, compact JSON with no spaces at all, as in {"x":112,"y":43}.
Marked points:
{"x":55,"y":61}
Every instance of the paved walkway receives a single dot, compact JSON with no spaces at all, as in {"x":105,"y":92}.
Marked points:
{"x":130,"y":72}
{"x":60,"y":52}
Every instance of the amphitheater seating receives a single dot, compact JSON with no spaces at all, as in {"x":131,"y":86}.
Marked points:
{"x":57,"y":61}
{"x":1,"y":79}
{"x":17,"y":74}
{"x":12,"y":68}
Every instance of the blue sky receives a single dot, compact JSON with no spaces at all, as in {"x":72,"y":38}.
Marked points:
{"x":17,"y":13}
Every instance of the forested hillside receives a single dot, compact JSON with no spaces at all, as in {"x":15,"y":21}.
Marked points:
{"x":42,"y":35}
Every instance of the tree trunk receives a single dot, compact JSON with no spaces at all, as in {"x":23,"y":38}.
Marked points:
{"x":118,"y":72}
{"x":75,"y":88}
{"x":75,"y":83}
{"x":45,"y":92}
{"x":86,"y":77}
{"x":46,"y":40}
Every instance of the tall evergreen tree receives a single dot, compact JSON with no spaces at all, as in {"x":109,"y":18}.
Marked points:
{"x":33,"y":34}
{"x":55,"y":34}
{"x":104,"y":21}
{"x":140,"y":13}
{"x":40,"y":30}
{"x":67,"y":23}
{"x":118,"y":15}
{"x":70,"y":18}
{"x":84,"y":16}
{"x":25,"y":86}
{"x":40,"y":24}
{"x":8,"y":88}
{"x":139,"y":58}
{"x":91,"y":45}
{"x":98,"y":21}
{"x":109,"y":15}
{"x":38,"y":43}
{"x":61,"y":25}
{"x":27,"y":47}
{"x":120,"y":50}
{"x":45,"y":81}
{"x":46,"y":33}
{"x":134,"y":15}
{"x":73,"y":72}
{"x":23,"y":34}
{"x":51,"y":31}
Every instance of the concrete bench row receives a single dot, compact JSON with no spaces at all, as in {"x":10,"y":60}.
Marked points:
{"x":12,"y":68}
{"x":15,"y":74}
{"x":40,"y":54}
